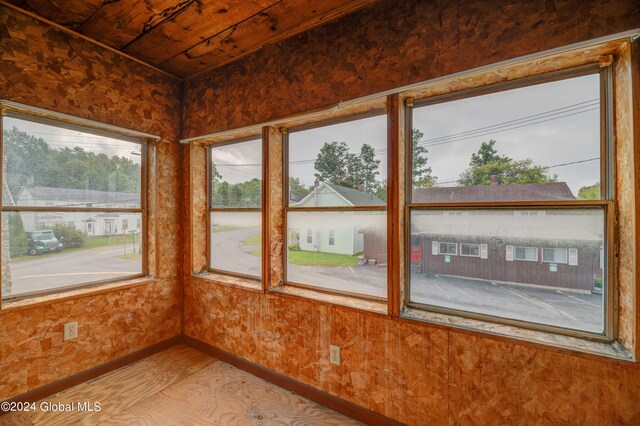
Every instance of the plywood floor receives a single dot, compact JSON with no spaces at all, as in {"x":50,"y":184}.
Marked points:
{"x":181,"y":386}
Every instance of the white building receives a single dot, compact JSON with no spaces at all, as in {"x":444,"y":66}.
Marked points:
{"x":91,"y":223}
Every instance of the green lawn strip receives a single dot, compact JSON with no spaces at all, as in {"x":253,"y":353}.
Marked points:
{"x":253,"y":240}
{"x":222,"y":228}
{"x":90,"y":243}
{"x":134,"y":256}
{"x":312,"y":258}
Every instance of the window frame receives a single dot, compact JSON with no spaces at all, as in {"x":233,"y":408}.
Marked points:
{"x":455,"y":248}
{"x":535,"y":250}
{"x":606,"y":202}
{"x":470,"y":244}
{"x":566,"y":250}
{"x":287,"y":208}
{"x":211,"y":209}
{"x":64,"y":121}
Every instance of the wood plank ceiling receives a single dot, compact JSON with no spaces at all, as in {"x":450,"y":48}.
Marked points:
{"x":187,"y":37}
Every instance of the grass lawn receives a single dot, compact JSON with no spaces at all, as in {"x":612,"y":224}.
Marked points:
{"x":222,"y":228}
{"x":134,"y":256}
{"x":324,"y":259}
{"x":90,"y":243}
{"x":253,"y":240}
{"x":312,"y":258}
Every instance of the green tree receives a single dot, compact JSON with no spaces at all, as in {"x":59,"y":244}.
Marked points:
{"x":215,"y":174}
{"x":366,"y":169}
{"x":486,"y":165}
{"x":334,"y":164}
{"x":298,"y":188}
{"x":236,"y":195}
{"x":591,"y":192}
{"x":422,"y":177}
{"x":221,"y":194}
{"x":18,"y":240}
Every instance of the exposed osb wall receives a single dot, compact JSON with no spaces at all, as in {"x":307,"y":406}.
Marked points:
{"x":413,"y":372}
{"x":388,"y":45}
{"x":47,"y":68}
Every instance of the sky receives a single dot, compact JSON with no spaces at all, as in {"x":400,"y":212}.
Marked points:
{"x":239,"y":162}
{"x":552,"y":124}
{"x":58,"y":137}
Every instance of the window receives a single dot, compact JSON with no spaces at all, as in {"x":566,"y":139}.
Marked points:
{"x":523,"y":162}
{"x":523,"y":253}
{"x":556,"y":255}
{"x":448,"y":248}
{"x":125,"y":225}
{"x":336,"y":182}
{"x":471,"y":250}
{"x":52,"y":172}
{"x":235,"y":208}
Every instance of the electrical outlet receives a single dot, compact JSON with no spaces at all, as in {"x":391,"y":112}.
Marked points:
{"x":70,"y":330}
{"x":334,"y":354}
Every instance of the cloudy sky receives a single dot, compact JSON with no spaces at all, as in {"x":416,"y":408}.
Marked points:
{"x":58,"y":137}
{"x":552,"y":124}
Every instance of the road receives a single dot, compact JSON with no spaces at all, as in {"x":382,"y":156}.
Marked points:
{"x":47,"y":272}
{"x":533,"y":304}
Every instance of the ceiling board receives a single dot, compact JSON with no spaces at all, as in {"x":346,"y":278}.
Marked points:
{"x":69,"y":13}
{"x":186,"y":37}
{"x":197,"y":22}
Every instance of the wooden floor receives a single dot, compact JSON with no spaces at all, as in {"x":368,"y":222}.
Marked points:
{"x":181,"y":386}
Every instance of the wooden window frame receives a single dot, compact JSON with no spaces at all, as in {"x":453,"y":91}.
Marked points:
{"x":64,"y":121}
{"x":287,"y":208}
{"x":606,"y":203}
{"x":211,"y":209}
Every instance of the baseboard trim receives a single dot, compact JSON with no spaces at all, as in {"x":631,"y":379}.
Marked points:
{"x":83,"y":376}
{"x":321,"y":397}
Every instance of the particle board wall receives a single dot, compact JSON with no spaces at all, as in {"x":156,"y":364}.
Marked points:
{"x":388,"y":45}
{"x":413,"y":372}
{"x":45,"y":67}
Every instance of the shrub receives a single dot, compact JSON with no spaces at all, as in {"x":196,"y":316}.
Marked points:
{"x":294,"y":247}
{"x":69,"y":236}
{"x":18,"y":240}
{"x":597,"y":282}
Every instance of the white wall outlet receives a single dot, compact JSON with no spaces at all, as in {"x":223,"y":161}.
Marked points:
{"x":334,"y":354}
{"x":70,"y":330}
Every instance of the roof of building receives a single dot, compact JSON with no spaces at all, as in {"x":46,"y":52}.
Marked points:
{"x":79,"y":196}
{"x":495,"y":193}
{"x":352,"y":196}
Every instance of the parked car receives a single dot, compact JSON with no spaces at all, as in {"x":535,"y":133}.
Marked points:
{"x":41,"y":242}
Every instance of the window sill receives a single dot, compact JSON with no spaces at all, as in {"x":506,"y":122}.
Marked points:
{"x":230,"y":281}
{"x":332,"y":299}
{"x":30,"y":302}
{"x":611,"y":350}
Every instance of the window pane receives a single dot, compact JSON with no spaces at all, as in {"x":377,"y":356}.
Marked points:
{"x":49,"y":250}
{"x":53,"y":166}
{"x":236,"y":174}
{"x":558,"y":294}
{"x":236,"y":242}
{"x":356,"y":262}
{"x":339,"y":165}
{"x":540,"y":142}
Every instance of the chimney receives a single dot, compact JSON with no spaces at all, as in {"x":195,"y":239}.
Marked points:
{"x":361,"y":187}
{"x":493,"y":179}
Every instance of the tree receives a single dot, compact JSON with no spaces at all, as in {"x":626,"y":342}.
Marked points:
{"x":422,"y":177}
{"x":334,"y":163}
{"x":18,"y":240}
{"x":215,"y":175}
{"x":591,"y":192}
{"x":486,"y":165}
{"x":236,"y":195}
{"x":297,"y":188}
